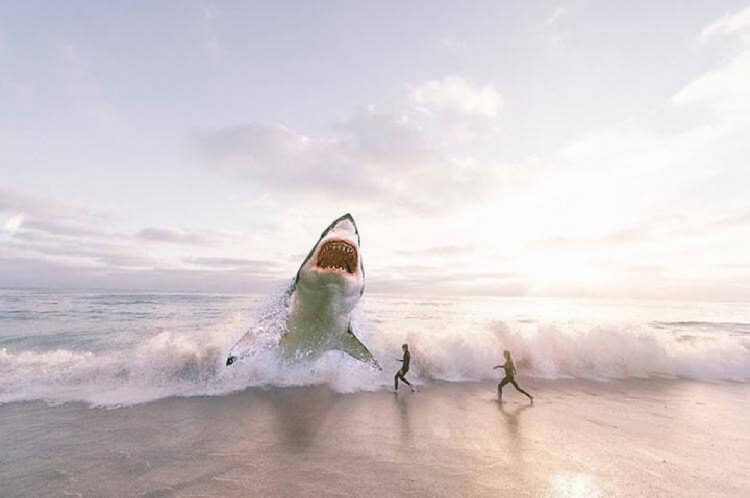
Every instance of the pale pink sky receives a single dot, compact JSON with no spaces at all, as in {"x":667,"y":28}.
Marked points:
{"x":508,"y":148}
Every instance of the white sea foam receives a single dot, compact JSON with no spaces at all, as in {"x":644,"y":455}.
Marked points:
{"x":598,"y":352}
{"x":178,"y":363}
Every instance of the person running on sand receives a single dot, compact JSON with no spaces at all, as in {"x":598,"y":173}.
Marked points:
{"x":404,"y":368}
{"x":510,"y":377}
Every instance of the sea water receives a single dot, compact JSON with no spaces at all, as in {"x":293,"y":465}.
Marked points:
{"x":122,"y":348}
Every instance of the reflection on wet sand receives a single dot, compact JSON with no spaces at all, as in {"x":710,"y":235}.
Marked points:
{"x":512,"y":417}
{"x":448,"y":440}
{"x":402,"y":403}
{"x":574,"y":484}
{"x":300,"y":414}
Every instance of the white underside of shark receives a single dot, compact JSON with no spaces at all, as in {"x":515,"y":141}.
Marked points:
{"x":320,"y":300}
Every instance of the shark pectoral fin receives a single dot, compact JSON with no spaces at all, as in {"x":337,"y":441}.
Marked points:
{"x":354,"y":348}
{"x":242,"y":347}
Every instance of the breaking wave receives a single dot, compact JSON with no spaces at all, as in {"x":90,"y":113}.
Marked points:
{"x":600,"y":352}
{"x":179,"y":363}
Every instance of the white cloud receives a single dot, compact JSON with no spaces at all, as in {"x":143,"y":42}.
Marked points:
{"x":48,"y":217}
{"x":596,"y":208}
{"x":727,"y":25}
{"x":257,"y":266}
{"x":32,"y":206}
{"x":631,"y":194}
{"x":185,"y":237}
{"x":14,"y":223}
{"x":371,"y":158}
{"x":726,"y":89}
{"x":35,"y":272}
{"x":351,"y":163}
{"x":456,"y":95}
{"x":268,"y":153}
{"x":555,"y":16}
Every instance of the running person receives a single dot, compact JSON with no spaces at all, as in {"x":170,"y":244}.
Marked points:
{"x":404,"y":368}
{"x":510,"y":377}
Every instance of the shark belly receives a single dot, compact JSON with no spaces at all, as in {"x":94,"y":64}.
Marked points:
{"x":320,"y":301}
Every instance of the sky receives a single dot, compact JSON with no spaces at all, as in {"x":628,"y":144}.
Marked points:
{"x":541,"y":148}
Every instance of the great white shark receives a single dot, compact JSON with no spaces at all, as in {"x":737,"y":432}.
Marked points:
{"x":321,"y":299}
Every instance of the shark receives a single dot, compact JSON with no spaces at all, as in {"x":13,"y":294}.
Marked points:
{"x":320,"y":300}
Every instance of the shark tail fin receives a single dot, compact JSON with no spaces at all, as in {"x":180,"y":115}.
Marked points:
{"x":354,"y":348}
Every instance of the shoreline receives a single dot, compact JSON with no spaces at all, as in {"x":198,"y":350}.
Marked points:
{"x":632,"y":437}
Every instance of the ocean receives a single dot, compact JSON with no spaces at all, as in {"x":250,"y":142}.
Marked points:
{"x":121,"y":348}
{"x":127,"y":393}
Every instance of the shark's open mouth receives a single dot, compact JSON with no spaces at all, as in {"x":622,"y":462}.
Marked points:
{"x":337,"y":255}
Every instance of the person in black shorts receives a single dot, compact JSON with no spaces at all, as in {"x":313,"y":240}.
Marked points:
{"x":404,"y":368}
{"x":510,"y":377}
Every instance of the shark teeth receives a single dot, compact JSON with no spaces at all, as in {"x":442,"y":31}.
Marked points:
{"x":338,"y":246}
{"x":337,"y":255}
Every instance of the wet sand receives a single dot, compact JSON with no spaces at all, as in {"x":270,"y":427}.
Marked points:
{"x":580,"y":438}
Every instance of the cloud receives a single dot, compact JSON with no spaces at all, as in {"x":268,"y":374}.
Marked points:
{"x":371,"y":158}
{"x":663,"y":227}
{"x":78,"y":250}
{"x":431,"y":281}
{"x":389,"y":140}
{"x":24,"y":272}
{"x":555,"y":16}
{"x":173,"y":236}
{"x":63,"y":233}
{"x":724,"y":90}
{"x":67,"y":228}
{"x":438,"y":251}
{"x":119,"y":258}
{"x":455,"y":95}
{"x":281,"y":158}
{"x":14,"y":223}
{"x":66,"y":241}
{"x":629,"y":196}
{"x":736,"y":220}
{"x":727,"y":25}
{"x":70,"y":251}
{"x":270,"y":153}
{"x":31,"y":214}
{"x":15,"y":202}
{"x":261,"y":266}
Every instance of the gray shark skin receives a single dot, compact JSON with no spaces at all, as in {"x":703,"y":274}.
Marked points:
{"x":320,"y":300}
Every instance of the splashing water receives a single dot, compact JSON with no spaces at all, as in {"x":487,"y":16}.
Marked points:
{"x":115,"y":349}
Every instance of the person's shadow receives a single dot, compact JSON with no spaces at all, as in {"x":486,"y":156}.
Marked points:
{"x":515,"y":429}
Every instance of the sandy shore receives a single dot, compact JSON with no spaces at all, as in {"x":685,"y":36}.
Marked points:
{"x":580,"y":438}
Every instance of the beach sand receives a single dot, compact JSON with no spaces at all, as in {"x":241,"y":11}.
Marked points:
{"x":580,"y":438}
